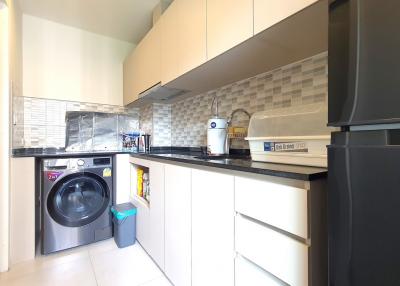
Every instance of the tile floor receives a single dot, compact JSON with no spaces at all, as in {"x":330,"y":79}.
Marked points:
{"x":101,"y":264}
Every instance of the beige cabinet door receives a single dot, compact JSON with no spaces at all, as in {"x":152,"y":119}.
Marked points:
{"x":270,"y":12}
{"x":142,"y":68}
{"x":228,"y":24}
{"x":149,"y":59}
{"x":192,"y":34}
{"x":183,"y":38}
{"x":169,"y":25}
{"x":130,"y":78}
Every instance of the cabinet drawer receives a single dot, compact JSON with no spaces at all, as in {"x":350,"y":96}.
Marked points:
{"x":277,"y":253}
{"x":246,"y":271}
{"x":278,"y":205}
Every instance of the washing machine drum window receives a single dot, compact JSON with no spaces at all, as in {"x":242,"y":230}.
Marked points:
{"x":78,"y":199}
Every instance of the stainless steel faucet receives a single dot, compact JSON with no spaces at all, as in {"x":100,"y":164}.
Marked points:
{"x":229,"y":123}
{"x":236,"y":111}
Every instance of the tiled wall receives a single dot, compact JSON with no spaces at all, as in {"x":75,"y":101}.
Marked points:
{"x":146,"y":119}
{"x":162,"y":125}
{"x":296,"y":84}
{"x":41,"y":122}
{"x":155,"y":119}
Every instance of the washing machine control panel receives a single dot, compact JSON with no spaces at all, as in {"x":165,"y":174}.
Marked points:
{"x":76,"y":163}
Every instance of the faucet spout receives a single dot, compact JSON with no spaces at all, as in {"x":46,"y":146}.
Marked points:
{"x":234,"y":112}
{"x":229,"y":122}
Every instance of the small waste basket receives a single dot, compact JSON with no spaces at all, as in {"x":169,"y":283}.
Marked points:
{"x":124,"y":218}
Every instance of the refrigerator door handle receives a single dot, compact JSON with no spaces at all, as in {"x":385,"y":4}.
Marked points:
{"x":349,"y":238}
{"x":354,"y":54}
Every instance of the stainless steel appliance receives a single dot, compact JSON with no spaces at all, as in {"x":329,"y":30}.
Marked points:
{"x":75,"y":202}
{"x":364,"y":157}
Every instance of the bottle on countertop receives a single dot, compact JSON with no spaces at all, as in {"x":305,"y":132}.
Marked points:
{"x":140,"y":182}
{"x":146,"y":186}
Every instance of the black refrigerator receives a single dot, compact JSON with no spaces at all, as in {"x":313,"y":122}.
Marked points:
{"x":364,"y":156}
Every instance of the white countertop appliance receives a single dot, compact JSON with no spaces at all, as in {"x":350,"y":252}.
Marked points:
{"x":217,"y":132}
{"x":296,"y":135}
{"x":217,"y":136}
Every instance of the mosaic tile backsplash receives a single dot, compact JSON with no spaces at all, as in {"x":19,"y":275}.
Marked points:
{"x":300,"y":83}
{"x":155,"y":119}
{"x":41,"y":123}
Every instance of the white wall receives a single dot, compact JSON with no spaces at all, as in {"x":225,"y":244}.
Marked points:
{"x":4,"y":137}
{"x":66,"y":63}
{"x":10,"y":76}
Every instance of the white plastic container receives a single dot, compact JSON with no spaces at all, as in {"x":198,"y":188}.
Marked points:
{"x":297,"y":135}
{"x":216,"y":136}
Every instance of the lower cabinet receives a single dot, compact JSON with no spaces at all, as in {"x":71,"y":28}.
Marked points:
{"x":23,"y":203}
{"x":178,"y":225}
{"x":212,"y":229}
{"x":246,"y":271}
{"x":205,"y":227}
{"x":156,"y":218}
{"x":150,"y":216}
{"x":281,"y":255}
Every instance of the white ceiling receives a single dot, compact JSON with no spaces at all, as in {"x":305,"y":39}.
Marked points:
{"x":127,"y":20}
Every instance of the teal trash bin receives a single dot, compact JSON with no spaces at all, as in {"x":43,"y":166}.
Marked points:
{"x":124,"y":219}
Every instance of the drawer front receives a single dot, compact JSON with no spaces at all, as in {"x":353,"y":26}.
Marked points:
{"x":246,"y":271}
{"x":278,"y":205}
{"x":280,"y":255}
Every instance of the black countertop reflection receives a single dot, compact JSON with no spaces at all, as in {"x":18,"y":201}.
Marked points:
{"x":241,"y":160}
{"x":245,"y":164}
{"x":60,"y":152}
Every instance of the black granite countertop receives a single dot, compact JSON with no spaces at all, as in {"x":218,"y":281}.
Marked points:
{"x":240,"y":161}
{"x":244,"y":164}
{"x":60,"y":152}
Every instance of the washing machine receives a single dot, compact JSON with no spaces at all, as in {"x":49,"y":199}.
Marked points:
{"x":75,"y":202}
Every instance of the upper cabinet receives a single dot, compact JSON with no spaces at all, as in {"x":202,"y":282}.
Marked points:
{"x":169,"y":23}
{"x":195,"y":44}
{"x":228,"y":24}
{"x":269,"y":12}
{"x":150,"y":52}
{"x":130,"y":81}
{"x":142,"y":68}
{"x":183,"y":38}
{"x":192,"y":34}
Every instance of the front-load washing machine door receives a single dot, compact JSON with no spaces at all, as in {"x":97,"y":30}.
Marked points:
{"x":78,"y":199}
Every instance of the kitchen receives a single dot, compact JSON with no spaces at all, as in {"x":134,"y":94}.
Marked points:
{"x":189,"y":142}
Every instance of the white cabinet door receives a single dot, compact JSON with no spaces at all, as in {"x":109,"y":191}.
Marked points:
{"x":277,"y":253}
{"x":22,"y":210}
{"x":142,"y":223}
{"x":122,"y":177}
{"x":143,"y":209}
{"x":279,"y":205}
{"x":212,"y":229}
{"x":156,"y":219}
{"x":246,"y":271}
{"x":178,"y":224}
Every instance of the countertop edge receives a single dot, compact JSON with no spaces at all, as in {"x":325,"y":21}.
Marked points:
{"x":67,"y":154}
{"x":253,"y":170}
{"x":320,"y":173}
